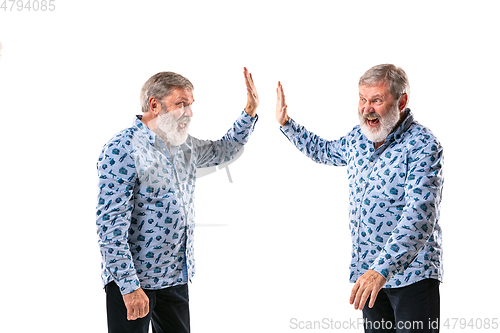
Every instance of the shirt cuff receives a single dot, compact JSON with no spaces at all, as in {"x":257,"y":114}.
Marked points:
{"x":384,"y":268}
{"x":128,"y":285}
{"x":288,"y":128}
{"x":245,"y":117}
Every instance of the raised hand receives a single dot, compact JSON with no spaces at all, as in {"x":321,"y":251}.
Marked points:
{"x":252,"y":96}
{"x":281,"y":113}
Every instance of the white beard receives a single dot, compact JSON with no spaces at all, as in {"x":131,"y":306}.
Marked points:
{"x":169,"y":129}
{"x":387,"y":124}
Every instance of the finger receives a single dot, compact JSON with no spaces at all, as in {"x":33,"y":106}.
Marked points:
{"x":353,"y":293}
{"x":364,"y":297}
{"x":138,"y":313}
{"x":248,"y":78}
{"x":249,"y":83}
{"x":146,"y":308}
{"x":357,"y":294}
{"x":252,"y":84}
{"x":130,"y":314}
{"x":357,"y":297}
{"x":245,"y":73}
{"x":373,"y":297}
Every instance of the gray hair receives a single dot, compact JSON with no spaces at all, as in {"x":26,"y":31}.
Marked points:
{"x":161,"y":85}
{"x":394,"y":77}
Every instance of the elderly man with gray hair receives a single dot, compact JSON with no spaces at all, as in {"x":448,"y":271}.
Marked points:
{"x":394,"y":166}
{"x":145,"y":210}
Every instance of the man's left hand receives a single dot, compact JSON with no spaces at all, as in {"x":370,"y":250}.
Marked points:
{"x":252,"y":96}
{"x":367,"y":285}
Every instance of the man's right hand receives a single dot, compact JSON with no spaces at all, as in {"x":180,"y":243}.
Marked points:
{"x":281,"y":113}
{"x":137,"y":304}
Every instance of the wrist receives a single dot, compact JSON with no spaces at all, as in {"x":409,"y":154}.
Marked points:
{"x":251,"y":111}
{"x":285,"y":121}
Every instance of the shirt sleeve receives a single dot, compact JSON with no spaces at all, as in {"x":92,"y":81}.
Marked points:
{"x":423,"y":190}
{"x":210,"y":153}
{"x":116,"y":171}
{"x":318,"y":149}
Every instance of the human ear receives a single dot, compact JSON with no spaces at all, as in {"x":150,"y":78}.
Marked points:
{"x":154,"y":106}
{"x":402,"y":102}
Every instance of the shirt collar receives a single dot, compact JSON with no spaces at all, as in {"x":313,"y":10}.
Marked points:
{"x":144,"y":129}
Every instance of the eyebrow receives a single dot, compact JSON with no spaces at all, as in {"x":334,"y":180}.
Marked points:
{"x":374,"y":96}
{"x":183,"y":99}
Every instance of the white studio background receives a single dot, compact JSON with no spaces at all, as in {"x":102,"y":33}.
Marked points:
{"x":274,"y":244}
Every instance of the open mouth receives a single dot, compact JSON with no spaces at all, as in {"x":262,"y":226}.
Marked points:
{"x":183,"y":123}
{"x":372,"y":121}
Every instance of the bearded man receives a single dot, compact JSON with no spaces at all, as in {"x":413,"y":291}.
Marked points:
{"x":145,"y":210}
{"x":395,"y":185}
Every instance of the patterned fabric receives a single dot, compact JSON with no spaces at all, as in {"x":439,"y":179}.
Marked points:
{"x":145,"y":210}
{"x":394,"y":193}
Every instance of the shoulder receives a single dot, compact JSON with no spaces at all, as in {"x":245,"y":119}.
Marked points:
{"x":424,"y":149}
{"x":119,"y":146}
{"x":420,"y":137}
{"x":122,"y":138}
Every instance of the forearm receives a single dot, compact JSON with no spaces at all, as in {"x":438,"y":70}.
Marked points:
{"x":113,"y":222}
{"x":313,"y":146}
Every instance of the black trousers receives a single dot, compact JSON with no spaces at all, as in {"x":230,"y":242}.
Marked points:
{"x":168,"y":311}
{"x":414,"y":308}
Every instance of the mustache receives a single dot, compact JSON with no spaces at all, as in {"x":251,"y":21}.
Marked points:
{"x":371,"y":116}
{"x":184,"y":119}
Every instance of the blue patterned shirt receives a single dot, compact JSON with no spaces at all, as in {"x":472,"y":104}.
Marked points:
{"x":394,"y":193}
{"x":145,"y":210}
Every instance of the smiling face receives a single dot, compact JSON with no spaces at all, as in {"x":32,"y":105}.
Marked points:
{"x":378,"y":112}
{"x":175,"y":115}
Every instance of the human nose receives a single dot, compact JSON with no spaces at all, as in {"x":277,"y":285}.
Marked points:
{"x":366,"y":107}
{"x":188,"y":112}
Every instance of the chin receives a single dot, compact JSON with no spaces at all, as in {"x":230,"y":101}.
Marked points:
{"x":374,"y":135}
{"x":178,"y":138}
